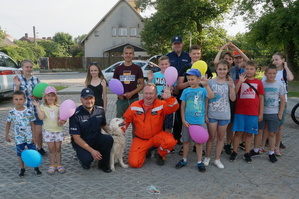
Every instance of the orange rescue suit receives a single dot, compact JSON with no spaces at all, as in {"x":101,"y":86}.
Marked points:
{"x":148,"y":127}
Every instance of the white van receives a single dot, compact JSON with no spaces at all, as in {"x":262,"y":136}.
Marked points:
{"x":8,"y":70}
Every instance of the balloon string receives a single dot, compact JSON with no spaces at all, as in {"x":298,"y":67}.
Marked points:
{"x":14,"y":147}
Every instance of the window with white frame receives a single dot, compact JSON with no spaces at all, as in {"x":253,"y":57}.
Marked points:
{"x":133,"y":32}
{"x":113,"y":32}
{"x":122,"y":32}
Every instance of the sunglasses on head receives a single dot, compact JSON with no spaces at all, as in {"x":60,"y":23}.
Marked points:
{"x":93,"y":63}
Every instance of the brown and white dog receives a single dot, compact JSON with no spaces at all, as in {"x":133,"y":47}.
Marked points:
{"x":116,"y":131}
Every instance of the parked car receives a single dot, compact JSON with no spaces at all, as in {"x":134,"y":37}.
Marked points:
{"x":146,"y":66}
{"x":8,"y":70}
{"x":155,"y":59}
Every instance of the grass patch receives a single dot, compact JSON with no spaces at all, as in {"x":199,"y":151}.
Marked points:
{"x":293,"y":89}
{"x":58,"y":88}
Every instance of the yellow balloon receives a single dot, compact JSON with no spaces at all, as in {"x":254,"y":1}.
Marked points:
{"x":200,"y":65}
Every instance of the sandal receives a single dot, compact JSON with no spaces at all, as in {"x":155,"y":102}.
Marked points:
{"x":61,"y":169}
{"x":51,"y":170}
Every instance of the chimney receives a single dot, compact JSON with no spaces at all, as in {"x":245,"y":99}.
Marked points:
{"x":26,"y":36}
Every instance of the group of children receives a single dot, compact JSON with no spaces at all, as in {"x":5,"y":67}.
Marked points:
{"x":260,"y":107}
{"x":26,"y":132}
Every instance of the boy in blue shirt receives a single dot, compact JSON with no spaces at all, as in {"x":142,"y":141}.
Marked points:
{"x":193,"y":113}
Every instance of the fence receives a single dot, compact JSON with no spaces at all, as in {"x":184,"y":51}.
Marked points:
{"x":78,"y":63}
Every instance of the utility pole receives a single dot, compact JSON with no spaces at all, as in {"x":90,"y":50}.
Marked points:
{"x":34,"y":40}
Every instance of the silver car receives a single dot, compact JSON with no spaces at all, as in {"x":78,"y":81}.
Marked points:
{"x":146,"y":66}
{"x":8,"y":70}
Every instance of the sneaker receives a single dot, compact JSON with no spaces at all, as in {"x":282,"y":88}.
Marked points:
{"x":22,"y":173}
{"x":262,"y":150}
{"x":201,"y":167}
{"x":218,"y":164}
{"x":206,"y":161}
{"x":75,"y":156}
{"x":51,"y":170}
{"x":277,"y":152}
{"x":282,"y":146}
{"x":61,"y":169}
{"x":37,"y":172}
{"x":228,"y":149}
{"x":42,"y":151}
{"x":180,"y":164}
{"x":272,"y":158}
{"x":160,"y":159}
{"x":252,"y":153}
{"x":247,"y":158}
{"x":242,"y":146}
{"x":233,"y":156}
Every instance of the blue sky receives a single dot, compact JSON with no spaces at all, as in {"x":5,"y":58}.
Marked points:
{"x":75,"y":17}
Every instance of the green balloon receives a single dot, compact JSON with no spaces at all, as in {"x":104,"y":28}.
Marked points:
{"x":39,"y":89}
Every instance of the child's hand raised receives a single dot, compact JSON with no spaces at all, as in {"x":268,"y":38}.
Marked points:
{"x":16,"y":81}
{"x":230,"y":81}
{"x":150,"y":75}
{"x":242,"y":77}
{"x":166,"y":92}
{"x":204,"y":80}
{"x":35,"y":103}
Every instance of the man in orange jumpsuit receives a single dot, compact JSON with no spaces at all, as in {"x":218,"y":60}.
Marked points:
{"x":147,"y":117}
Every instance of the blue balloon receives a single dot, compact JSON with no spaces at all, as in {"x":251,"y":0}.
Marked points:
{"x":31,"y":158}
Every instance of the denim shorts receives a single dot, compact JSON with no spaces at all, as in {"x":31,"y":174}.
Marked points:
{"x":37,"y":121}
{"x":220,"y":122}
{"x":21,"y":147}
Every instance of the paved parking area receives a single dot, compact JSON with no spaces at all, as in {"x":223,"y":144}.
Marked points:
{"x":260,"y":179}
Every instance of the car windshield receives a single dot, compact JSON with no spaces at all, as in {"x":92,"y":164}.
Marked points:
{"x":141,"y":64}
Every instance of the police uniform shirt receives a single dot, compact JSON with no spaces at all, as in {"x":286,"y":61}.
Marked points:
{"x":178,"y":61}
{"x":87,"y":125}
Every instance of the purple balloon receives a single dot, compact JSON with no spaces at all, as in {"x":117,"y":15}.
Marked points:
{"x":198,"y":134}
{"x":116,"y":87}
{"x":171,"y":75}
{"x":67,"y":109}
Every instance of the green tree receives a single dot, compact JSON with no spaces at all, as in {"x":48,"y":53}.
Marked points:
{"x":65,"y":40}
{"x":275,"y":26}
{"x":52,"y":49}
{"x":181,"y":17}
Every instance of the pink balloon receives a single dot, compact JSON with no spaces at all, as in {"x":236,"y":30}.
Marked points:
{"x":198,"y":134}
{"x":67,"y":109}
{"x":171,"y":75}
{"x":116,"y":87}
